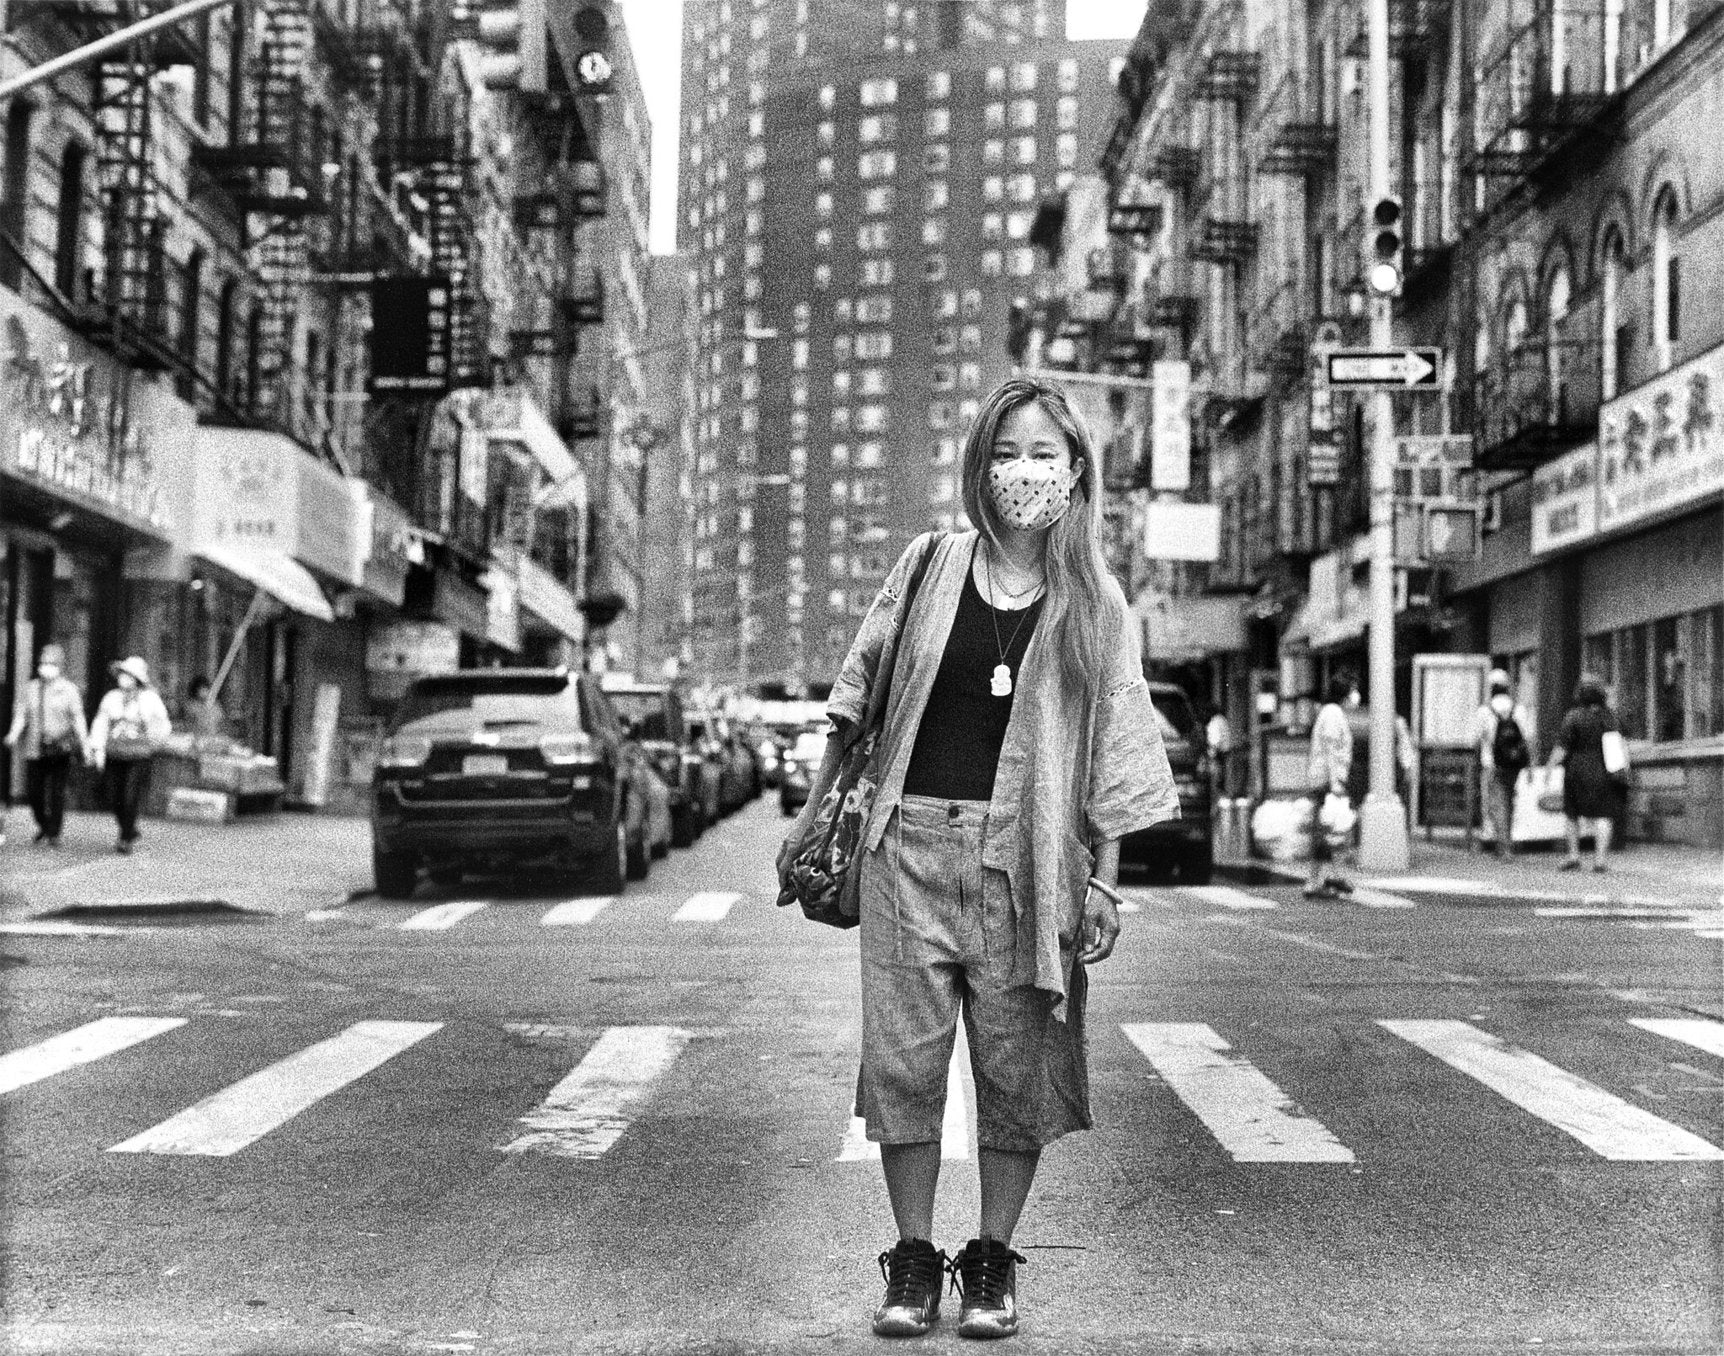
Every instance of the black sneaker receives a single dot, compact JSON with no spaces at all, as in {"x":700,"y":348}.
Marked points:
{"x":913,"y":1271}
{"x":985,"y":1273}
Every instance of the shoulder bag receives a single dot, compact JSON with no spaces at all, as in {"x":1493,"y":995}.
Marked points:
{"x":823,"y":870}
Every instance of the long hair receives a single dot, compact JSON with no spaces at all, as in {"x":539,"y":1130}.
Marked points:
{"x":1084,"y":609}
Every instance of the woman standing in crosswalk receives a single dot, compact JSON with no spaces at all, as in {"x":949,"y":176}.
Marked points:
{"x":1020,"y":745}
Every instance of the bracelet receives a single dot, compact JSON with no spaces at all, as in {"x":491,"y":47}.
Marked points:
{"x":1098,"y":884}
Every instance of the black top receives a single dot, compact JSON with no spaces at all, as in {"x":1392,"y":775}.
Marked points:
{"x":958,"y":743}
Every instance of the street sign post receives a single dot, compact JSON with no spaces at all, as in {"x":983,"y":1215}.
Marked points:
{"x":1385,"y":369}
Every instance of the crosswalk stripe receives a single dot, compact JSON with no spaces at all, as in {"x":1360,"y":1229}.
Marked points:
{"x":590,"y":1108}
{"x":1226,"y":897}
{"x":1252,"y":1118}
{"x":1603,"y":1122}
{"x":1380,"y":899}
{"x":440,"y":916}
{"x":954,"y":1128}
{"x":709,"y":906}
{"x":244,"y":1112}
{"x":573,"y":912}
{"x":81,"y":1045}
{"x":1699,"y":1032}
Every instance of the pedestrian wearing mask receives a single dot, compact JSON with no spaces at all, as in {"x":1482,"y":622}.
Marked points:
{"x":1328,"y":770}
{"x":1499,"y":734}
{"x":131,"y":724}
{"x":1019,"y":746}
{"x":48,"y":729}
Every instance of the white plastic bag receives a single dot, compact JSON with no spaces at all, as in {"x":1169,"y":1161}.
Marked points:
{"x":1538,"y":816}
{"x":1615,"y":753}
{"x":1281,"y":829}
{"x":1337,"y":818}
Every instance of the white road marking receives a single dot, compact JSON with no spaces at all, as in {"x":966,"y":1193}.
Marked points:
{"x":576,"y":911}
{"x":1603,"y":1122}
{"x":590,"y":1108}
{"x":246,"y":1111}
{"x":1441,"y":885}
{"x":954,"y":1128}
{"x":81,"y":1045}
{"x":1380,"y":899}
{"x":1599,"y":911}
{"x":1252,"y":1118}
{"x":440,"y":916}
{"x":710,"y":906}
{"x":1696,"y":1031}
{"x":57,"y":927}
{"x":1226,"y":897}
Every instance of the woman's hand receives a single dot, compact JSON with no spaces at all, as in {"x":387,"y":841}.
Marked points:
{"x":787,"y":855}
{"x":1100,"y":927}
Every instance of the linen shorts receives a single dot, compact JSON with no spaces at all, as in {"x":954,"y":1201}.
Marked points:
{"x":934,"y":948}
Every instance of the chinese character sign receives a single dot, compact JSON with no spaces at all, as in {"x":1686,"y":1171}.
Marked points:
{"x":1170,"y":427}
{"x":1662,"y":446}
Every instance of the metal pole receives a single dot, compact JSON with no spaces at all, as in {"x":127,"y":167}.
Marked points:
{"x":102,"y":46}
{"x":1382,"y":820}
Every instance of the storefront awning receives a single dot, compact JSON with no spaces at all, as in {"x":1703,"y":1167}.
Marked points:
{"x":545,"y":600}
{"x":282,"y":578}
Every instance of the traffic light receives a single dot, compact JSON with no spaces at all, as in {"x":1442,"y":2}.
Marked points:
{"x":516,"y":41}
{"x":593,"y":62}
{"x":1384,"y":255}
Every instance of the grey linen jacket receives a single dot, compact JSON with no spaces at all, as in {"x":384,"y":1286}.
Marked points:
{"x":1068,"y":776}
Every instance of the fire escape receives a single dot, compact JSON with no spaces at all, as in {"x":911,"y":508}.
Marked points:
{"x":128,"y":303}
{"x":1226,"y":234}
{"x":271,"y":170}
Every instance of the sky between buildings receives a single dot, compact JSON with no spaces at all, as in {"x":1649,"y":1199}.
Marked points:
{"x":655,"y":29}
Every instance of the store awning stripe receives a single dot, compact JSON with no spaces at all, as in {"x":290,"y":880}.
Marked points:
{"x":282,"y":578}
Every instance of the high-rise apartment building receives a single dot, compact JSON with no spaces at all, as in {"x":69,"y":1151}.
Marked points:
{"x":858,"y":192}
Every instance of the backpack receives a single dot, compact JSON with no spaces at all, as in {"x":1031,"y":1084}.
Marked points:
{"x":1508,"y":746}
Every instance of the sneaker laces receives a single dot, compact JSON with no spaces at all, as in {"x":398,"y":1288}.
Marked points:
{"x":910,"y":1274}
{"x":983,"y":1276}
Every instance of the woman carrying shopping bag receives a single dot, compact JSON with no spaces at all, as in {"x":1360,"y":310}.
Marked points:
{"x":1328,"y":770}
{"x":131,"y":724}
{"x":48,"y":728}
{"x":1589,"y":742}
{"x":1019,"y":746}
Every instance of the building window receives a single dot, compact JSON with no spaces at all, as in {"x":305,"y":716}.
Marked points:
{"x":1068,"y":76}
{"x":1024,"y":150}
{"x":874,"y":235}
{"x":877,"y":201}
{"x":936,"y":195}
{"x":993,"y":151}
{"x":1666,"y":282}
{"x":993,"y":189}
{"x":934,"y":268}
{"x":939,"y":85}
{"x":878,"y":93}
{"x":874,"y":311}
{"x":69,"y":224}
{"x":877,"y":273}
{"x":1666,"y":676}
{"x":993,"y":263}
{"x":1065,"y":150}
{"x":1024,"y":76}
{"x":876,"y":165}
{"x":14,"y":194}
{"x":823,"y":167}
{"x":934,"y":231}
{"x":877,"y":127}
{"x":937,"y":159}
{"x":994,"y":116}
{"x":937,"y":122}
{"x":1023,"y":262}
{"x":828,"y":98}
{"x":1023,"y":114}
{"x":996,"y":79}
{"x":1613,"y":329}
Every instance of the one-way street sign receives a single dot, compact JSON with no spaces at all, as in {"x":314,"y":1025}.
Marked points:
{"x":1392,"y":369}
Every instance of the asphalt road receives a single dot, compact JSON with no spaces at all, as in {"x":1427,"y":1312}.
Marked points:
{"x":1405,"y":1123}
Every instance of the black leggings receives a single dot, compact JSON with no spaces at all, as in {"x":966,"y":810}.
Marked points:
{"x":46,"y":778}
{"x":128,"y":778}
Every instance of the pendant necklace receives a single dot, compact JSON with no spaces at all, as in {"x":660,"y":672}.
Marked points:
{"x":1001,"y":684}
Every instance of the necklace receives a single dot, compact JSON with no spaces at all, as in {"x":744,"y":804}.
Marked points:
{"x":987,"y":564}
{"x":1001,"y":683}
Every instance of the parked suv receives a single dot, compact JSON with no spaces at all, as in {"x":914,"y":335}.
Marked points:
{"x":1187,"y":844}
{"x":498,"y":768}
{"x":655,"y":714}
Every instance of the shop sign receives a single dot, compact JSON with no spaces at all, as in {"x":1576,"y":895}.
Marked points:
{"x":330,"y":538}
{"x":401,"y":651}
{"x":1662,"y":446}
{"x":74,"y":420}
{"x":1176,"y":531}
{"x":261,"y":493}
{"x":395,"y":549}
{"x":1170,"y":426}
{"x":1189,"y":627}
{"x":410,"y":336}
{"x":1565,"y":501}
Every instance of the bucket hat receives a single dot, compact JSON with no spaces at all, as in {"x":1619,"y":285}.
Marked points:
{"x":52,"y":653}
{"x":134,"y":666}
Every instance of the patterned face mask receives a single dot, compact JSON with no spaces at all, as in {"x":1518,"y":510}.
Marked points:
{"x":1031,"y":494}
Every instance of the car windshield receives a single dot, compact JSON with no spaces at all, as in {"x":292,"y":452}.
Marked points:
{"x":645,"y":711}
{"x":810,"y":747}
{"x":1177,"y":719}
{"x":463,"y":703}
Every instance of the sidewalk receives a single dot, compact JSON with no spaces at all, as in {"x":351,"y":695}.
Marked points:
{"x":282,"y":863}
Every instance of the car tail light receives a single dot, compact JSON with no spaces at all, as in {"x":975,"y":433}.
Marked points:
{"x":404,"y":751}
{"x":572,"y":748}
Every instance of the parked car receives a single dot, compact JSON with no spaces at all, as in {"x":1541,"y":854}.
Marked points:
{"x":768,"y":746}
{"x":801,"y":761}
{"x":655,"y":713}
{"x":500,"y":768}
{"x":1185,"y":846}
{"x":739,"y":778}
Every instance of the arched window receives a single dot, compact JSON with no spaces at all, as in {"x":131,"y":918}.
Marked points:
{"x":1613,"y":336}
{"x":1557,"y":293}
{"x":1666,"y":282}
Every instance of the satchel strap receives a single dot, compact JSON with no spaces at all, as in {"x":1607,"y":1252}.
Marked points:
{"x":880,"y":690}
